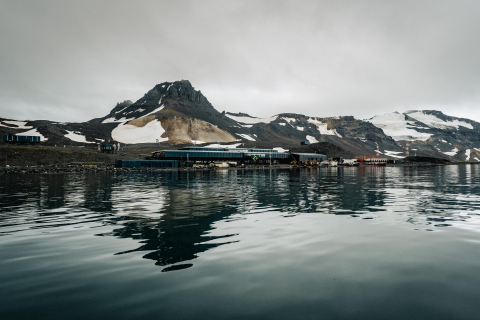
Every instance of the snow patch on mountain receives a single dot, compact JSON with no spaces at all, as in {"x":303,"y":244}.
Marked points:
{"x":32,"y":132}
{"x":245,"y":136}
{"x":451,"y":153}
{"x":17,"y":124}
{"x":395,"y":125}
{"x":74,"y":136}
{"x":312,"y":139}
{"x":251,"y":120}
{"x":289,"y":119}
{"x":467,"y":155}
{"x":113,"y":120}
{"x":434,"y":122}
{"x":128,"y":133}
{"x":322,"y":128}
{"x":156,"y":110}
{"x":226,"y":146}
{"x":121,"y":110}
{"x":300,"y":128}
{"x":125,"y":119}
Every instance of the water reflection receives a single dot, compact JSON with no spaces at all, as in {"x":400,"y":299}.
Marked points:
{"x":172,"y":214}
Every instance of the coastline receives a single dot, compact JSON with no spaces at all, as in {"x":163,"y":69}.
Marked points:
{"x":95,"y":168}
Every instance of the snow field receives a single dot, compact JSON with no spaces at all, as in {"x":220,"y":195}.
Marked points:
{"x":394,"y":125}
{"x":149,"y":133}
{"x":434,"y":122}
{"x":76,"y":137}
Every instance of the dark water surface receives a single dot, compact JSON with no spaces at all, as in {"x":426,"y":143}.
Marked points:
{"x":346,"y":243}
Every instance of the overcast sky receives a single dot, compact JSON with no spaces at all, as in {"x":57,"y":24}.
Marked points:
{"x":74,"y":60}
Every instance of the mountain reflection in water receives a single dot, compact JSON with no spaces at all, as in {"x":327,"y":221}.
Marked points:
{"x":172,"y":213}
{"x":330,"y":243}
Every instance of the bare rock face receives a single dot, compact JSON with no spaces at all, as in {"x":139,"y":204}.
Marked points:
{"x":180,"y":130}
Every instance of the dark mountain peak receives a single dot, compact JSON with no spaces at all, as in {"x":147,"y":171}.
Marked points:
{"x":182,"y":90}
{"x":120,"y":106}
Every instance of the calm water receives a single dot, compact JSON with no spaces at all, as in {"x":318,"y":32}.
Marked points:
{"x":363,"y":243}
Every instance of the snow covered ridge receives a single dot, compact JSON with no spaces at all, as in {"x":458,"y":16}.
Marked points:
{"x":251,"y":120}
{"x":434,"y":122}
{"x":322,"y":128}
{"x":395,"y":125}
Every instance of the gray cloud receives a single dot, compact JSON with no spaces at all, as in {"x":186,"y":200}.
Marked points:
{"x":72,"y":61}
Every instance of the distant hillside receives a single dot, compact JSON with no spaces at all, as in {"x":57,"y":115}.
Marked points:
{"x":177,"y":114}
{"x":432,"y":133}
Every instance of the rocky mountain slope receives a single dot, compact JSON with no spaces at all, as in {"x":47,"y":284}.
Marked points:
{"x":431,"y":132}
{"x":175,"y":113}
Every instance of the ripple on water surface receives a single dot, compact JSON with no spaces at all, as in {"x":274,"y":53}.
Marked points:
{"x":265,"y":244}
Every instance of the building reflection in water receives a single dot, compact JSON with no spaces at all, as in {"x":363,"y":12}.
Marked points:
{"x":173,"y":213}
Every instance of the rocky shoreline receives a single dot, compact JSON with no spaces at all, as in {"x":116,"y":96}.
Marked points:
{"x":109,"y":168}
{"x":55,"y":169}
